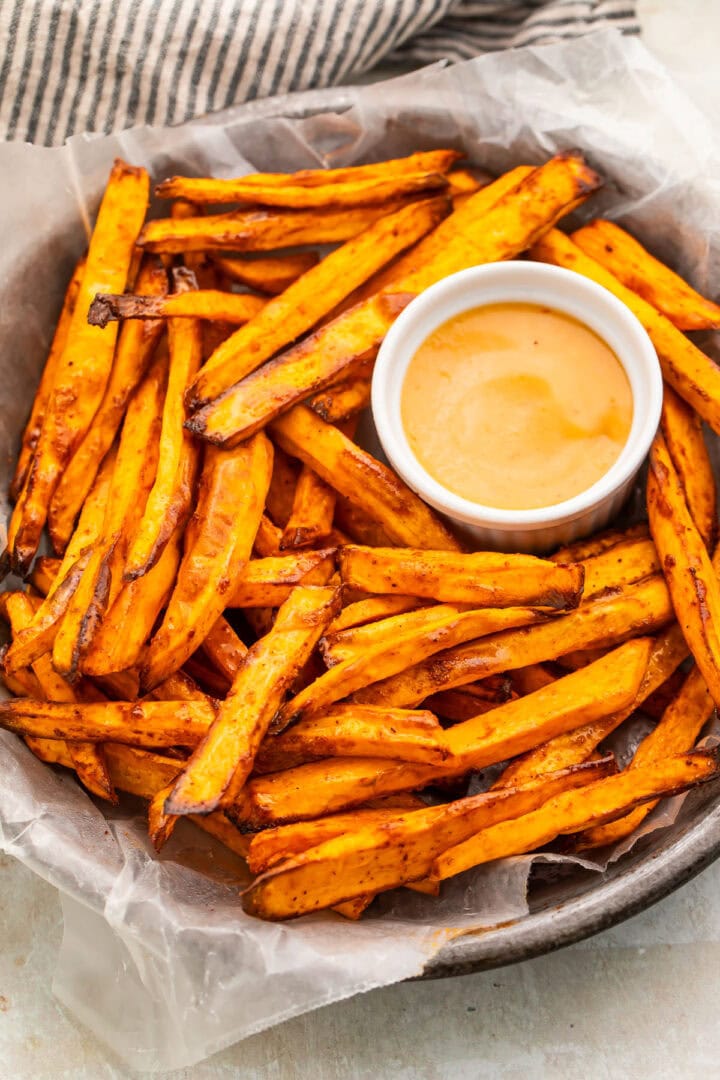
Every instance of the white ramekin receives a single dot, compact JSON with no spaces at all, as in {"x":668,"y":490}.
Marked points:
{"x":540,"y":529}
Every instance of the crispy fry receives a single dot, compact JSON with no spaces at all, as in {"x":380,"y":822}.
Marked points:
{"x":356,"y":731}
{"x":170,"y":498}
{"x":569,"y":812}
{"x":401,"y":650}
{"x":84,"y":369}
{"x":676,"y":732}
{"x":312,"y":514}
{"x":688,"y":370}
{"x":483,"y":578}
{"x":258,"y":230}
{"x":599,"y":543}
{"x":312,"y":296}
{"x":631,"y":264}
{"x":469,"y":701}
{"x":31,"y":434}
{"x":213,"y":304}
{"x":528,"y":679}
{"x":268,"y":582}
{"x":372,"y":486}
{"x":281,"y":492}
{"x":367,"y":611}
{"x":267,"y":540}
{"x":509,"y":227}
{"x":391,"y":853}
{"x":136,"y":344}
{"x":272,"y":274}
{"x":361,"y":528}
{"x":682,"y":430}
{"x":618,"y":566}
{"x":691,"y":577}
{"x":342,"y":400}
{"x":224,"y":649}
{"x":352,"y":643}
{"x":232,"y":494}
{"x":138,"y":723}
{"x":641,"y":608}
{"x":369,"y":191}
{"x":221,"y":765}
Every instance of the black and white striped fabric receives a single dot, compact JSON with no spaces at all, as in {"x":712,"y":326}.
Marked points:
{"x":103,"y":65}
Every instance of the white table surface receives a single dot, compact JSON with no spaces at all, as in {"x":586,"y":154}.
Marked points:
{"x":639,"y":1001}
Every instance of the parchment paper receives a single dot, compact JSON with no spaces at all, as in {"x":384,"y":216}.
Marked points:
{"x":158,"y":958}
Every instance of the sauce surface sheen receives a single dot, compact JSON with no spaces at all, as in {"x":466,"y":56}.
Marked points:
{"x":516,"y":406}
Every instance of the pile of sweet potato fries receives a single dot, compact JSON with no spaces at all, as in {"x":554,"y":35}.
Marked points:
{"x":250,"y":621}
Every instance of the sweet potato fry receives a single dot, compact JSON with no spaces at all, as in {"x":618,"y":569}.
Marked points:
{"x":425,"y":161}
{"x":637,"y":269}
{"x":369,"y":191}
{"x":33,"y":427}
{"x":399,"y":650}
{"x":270,"y":275}
{"x":138,"y":723}
{"x":272,"y":845}
{"x":372,"y":486}
{"x":213,"y":304}
{"x":676,"y":732}
{"x":391,"y":853}
{"x":267,"y":540}
{"x":86,"y":361}
{"x":356,"y":731}
{"x":220,"y":766}
{"x":489,"y":579}
{"x":621,"y":565}
{"x":570,"y":811}
{"x":312,"y":514}
{"x":44,"y":572}
{"x":599,"y":543}
{"x":367,"y":611}
{"x":528,"y":679}
{"x":352,"y":643}
{"x":688,"y":370}
{"x":343,"y":400}
{"x":268,"y":582}
{"x":282,"y":487}
{"x":258,"y":230}
{"x":690,"y":575}
{"x":469,"y":701}
{"x":232,"y":494}
{"x":312,"y":296}
{"x":641,"y":608}
{"x":136,"y":344}
{"x":682,"y":430}
{"x":224,"y":649}
{"x":170,"y":498}
{"x":358,"y":525}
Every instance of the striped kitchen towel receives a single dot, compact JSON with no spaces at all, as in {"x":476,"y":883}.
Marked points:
{"x":103,"y":65}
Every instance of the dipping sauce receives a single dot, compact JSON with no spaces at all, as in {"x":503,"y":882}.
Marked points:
{"x":516,"y":406}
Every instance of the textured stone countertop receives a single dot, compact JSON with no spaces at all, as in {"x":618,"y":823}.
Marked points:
{"x":639,"y":1001}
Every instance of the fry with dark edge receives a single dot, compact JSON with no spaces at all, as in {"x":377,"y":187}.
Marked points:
{"x":268,"y":582}
{"x":313,"y":510}
{"x":600,"y":543}
{"x":86,"y":361}
{"x":138,"y":723}
{"x":213,"y":304}
{"x":682,"y":430}
{"x":636,"y":268}
{"x":220,"y":766}
{"x":219,"y":542}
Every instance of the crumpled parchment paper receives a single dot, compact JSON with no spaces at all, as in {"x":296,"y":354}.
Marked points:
{"x":158,"y":958}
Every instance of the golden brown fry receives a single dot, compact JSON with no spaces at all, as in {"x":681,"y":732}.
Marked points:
{"x":469,"y":701}
{"x":368,"y":191}
{"x":272,"y":274}
{"x":268,"y":582}
{"x":568,"y":812}
{"x":636,"y":268}
{"x":530,"y":678}
{"x":618,"y":566}
{"x":387,"y":854}
{"x":312,"y":514}
{"x":367,"y":611}
{"x":138,"y":723}
{"x":224,"y":649}
{"x":690,"y":575}
{"x":87,"y":358}
{"x":403,"y":649}
{"x":258,"y":230}
{"x":213,"y":304}
{"x":221,"y":764}
{"x":267,"y":541}
{"x":136,"y":344}
{"x":509,"y":227}
{"x":356,"y":731}
{"x":371,"y":486}
{"x":682,"y":430}
{"x":170,"y":498}
{"x":676,"y":732}
{"x":352,"y":643}
{"x":688,"y":370}
{"x":342,"y":400}
{"x":640,"y":608}
{"x":222,"y":532}
{"x":312,"y":296}
{"x":44,"y":572}
{"x":358,"y":526}
{"x":282,"y":487}
{"x":484,"y":578}
{"x":31,"y":434}
{"x":600,"y":543}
